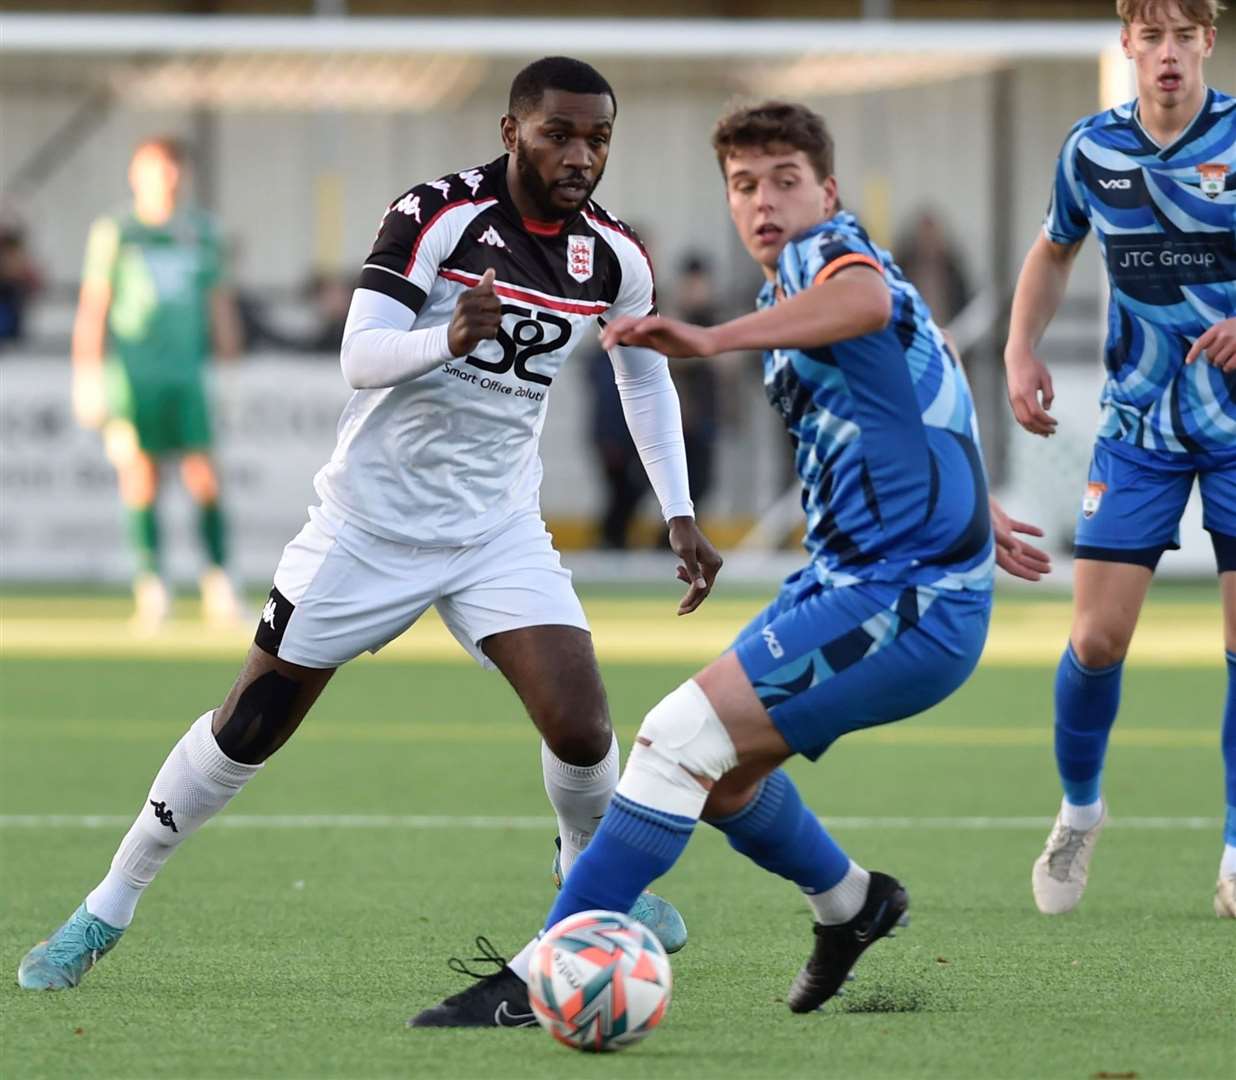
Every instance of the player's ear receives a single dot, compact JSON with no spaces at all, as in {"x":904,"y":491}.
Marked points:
{"x":832,"y":201}
{"x":1209,"y":35}
{"x":1125,"y":42}
{"x":509,"y":127}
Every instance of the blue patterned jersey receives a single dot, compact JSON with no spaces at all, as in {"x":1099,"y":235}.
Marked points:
{"x":1165,"y":219}
{"x":886,"y":440}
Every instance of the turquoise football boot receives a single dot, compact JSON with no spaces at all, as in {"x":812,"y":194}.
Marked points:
{"x":655,"y":912}
{"x":60,"y":962}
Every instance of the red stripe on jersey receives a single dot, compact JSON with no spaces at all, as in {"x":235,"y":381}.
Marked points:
{"x":429,"y":225}
{"x":542,"y":228}
{"x":573,"y":307}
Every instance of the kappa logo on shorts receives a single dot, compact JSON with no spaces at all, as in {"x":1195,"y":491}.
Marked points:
{"x":273,"y":623}
{"x":1092,"y":499}
{"x":774,"y":646}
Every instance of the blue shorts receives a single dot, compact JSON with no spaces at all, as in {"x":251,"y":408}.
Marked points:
{"x":827,"y":661}
{"x":1135,"y":498}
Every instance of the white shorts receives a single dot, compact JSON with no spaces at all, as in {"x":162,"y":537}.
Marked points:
{"x":340,"y":591}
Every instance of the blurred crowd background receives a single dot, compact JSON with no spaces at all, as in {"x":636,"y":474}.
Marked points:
{"x":304,"y":119}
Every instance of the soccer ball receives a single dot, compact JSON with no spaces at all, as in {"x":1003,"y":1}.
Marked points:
{"x":599,"y":981}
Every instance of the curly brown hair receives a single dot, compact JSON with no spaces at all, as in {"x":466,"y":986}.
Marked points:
{"x":1199,"y":12}
{"x":774,"y":124}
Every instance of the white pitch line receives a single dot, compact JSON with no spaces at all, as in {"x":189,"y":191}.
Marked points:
{"x":444,"y":821}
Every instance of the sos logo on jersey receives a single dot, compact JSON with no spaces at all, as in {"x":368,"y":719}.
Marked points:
{"x":532,"y":334}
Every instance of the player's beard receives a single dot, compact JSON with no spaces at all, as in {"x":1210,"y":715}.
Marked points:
{"x":539,"y":192}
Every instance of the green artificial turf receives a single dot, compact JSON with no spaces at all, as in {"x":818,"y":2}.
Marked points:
{"x":293,"y":951}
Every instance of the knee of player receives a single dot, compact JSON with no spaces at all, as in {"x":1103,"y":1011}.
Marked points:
{"x":579,"y":741}
{"x":1098,"y":646}
{"x":199,"y":476}
{"x":683,"y":735}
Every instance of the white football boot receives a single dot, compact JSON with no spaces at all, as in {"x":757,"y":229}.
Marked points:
{"x":1060,"y":873}
{"x":151,"y":604}
{"x":221,"y":604}
{"x":1225,"y":897}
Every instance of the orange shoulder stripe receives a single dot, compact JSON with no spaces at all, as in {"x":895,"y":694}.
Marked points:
{"x":853,"y":259}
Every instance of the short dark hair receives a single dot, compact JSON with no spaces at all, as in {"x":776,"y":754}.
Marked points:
{"x":775,"y":124}
{"x":555,"y":73}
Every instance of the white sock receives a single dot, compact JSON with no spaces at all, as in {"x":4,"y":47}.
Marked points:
{"x":522,"y":960}
{"x":579,"y":795}
{"x":844,"y":900}
{"x":1081,"y":817}
{"x":196,"y":781}
{"x":1227,"y":865}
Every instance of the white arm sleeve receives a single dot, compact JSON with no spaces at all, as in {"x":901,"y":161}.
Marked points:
{"x":650,"y":405}
{"x":380,"y":348}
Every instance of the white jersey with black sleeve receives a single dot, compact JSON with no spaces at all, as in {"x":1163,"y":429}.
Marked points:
{"x":448,"y":455}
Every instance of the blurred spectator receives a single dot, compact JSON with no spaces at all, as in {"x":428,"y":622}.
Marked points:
{"x":695,"y":300}
{"x":625,"y":482}
{"x":931,"y":260}
{"x":328,"y":296}
{"x":19,"y":281}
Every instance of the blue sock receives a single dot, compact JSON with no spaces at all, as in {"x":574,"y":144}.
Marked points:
{"x":634,"y":846}
{"x":1086,"y":704}
{"x":776,"y":831}
{"x":1229,"y":750}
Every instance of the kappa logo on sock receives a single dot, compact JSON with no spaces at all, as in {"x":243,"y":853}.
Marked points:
{"x":164,"y":815}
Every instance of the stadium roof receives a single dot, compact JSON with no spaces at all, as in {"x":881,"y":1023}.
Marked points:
{"x":112,"y":34}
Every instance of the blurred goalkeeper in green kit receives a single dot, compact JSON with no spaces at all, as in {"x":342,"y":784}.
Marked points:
{"x":153,"y":307}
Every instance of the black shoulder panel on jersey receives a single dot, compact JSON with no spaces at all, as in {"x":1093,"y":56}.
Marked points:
{"x":392,"y":284}
{"x":405,"y":224}
{"x":602,"y":221}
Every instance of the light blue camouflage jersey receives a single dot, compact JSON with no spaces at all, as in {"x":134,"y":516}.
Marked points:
{"x":1165,"y":218}
{"x":887,"y":445}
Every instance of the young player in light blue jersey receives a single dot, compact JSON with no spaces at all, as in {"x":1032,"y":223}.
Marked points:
{"x":888,"y":617}
{"x":1156,"y":181}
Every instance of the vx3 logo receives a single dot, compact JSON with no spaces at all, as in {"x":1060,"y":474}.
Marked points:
{"x":528,"y":337}
{"x":1119,"y":184}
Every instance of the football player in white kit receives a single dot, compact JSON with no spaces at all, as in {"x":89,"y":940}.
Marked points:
{"x":478,"y":287}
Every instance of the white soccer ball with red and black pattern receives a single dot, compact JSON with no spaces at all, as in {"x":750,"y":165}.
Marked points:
{"x":599,"y":981}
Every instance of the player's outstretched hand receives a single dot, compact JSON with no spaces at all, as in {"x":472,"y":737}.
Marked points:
{"x":477,"y":316}
{"x":669,"y":336}
{"x":1030,"y":392}
{"x":1015,"y":556}
{"x":700,"y":561}
{"x":1219,"y":346}
{"x":89,"y":397}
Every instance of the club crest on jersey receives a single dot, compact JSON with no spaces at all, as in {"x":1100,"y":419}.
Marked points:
{"x":1214,"y":179}
{"x":1092,"y":499}
{"x":579,"y":257}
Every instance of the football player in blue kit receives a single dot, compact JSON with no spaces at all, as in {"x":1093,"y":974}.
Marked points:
{"x":1156,"y":181}
{"x":890,"y":614}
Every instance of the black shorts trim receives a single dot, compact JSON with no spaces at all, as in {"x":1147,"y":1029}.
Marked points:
{"x":1147,"y":557}
{"x":1225,"y":550}
{"x":273,"y":622}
